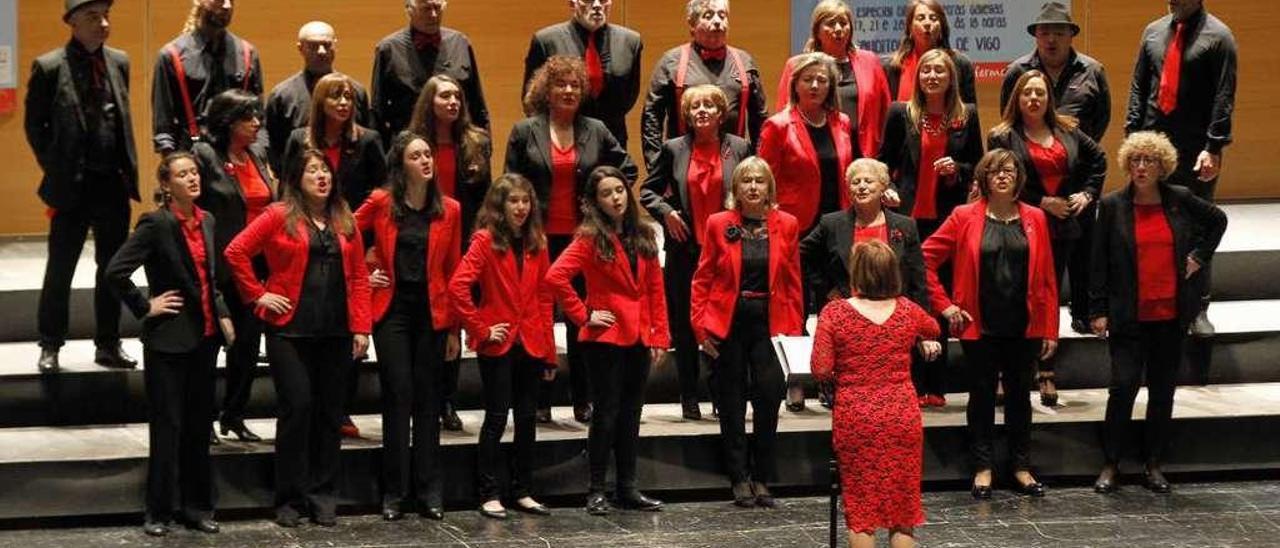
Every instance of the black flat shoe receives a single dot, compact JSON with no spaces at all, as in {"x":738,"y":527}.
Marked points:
{"x":597,"y":505}
{"x":543,"y":416}
{"x":1106,"y":482}
{"x":1155,"y":480}
{"x":795,"y":407}
{"x":1033,"y":489}
{"x":582,"y":413}
{"x":690,"y":411}
{"x":288,"y":519}
{"x":981,"y":492}
{"x":432,"y":512}
{"x":537,"y":509}
{"x":114,"y":357}
{"x":49,"y":363}
{"x":207,"y":526}
{"x":155,"y":529}
{"x":743,"y":496}
{"x":764,"y":498}
{"x":493,"y":514}
{"x":242,"y":432}
{"x":449,"y":419}
{"x":391,"y":513}
{"x":635,"y":500}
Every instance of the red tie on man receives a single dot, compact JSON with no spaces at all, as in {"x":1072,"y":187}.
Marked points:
{"x":595,"y":69}
{"x":1168,"y":97}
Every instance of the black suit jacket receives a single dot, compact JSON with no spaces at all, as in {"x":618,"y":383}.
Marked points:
{"x":221,"y":195}
{"x":159,"y":247}
{"x":529,"y":153}
{"x":289,"y":108}
{"x":363,"y":166}
{"x":1086,"y":168}
{"x":666,"y":188}
{"x":1197,"y":227}
{"x":169,"y":127}
{"x":56,"y":131}
{"x":964,"y":67}
{"x":900,"y":150}
{"x":400,"y":71}
{"x":620,"y":49}
{"x":825,"y":254}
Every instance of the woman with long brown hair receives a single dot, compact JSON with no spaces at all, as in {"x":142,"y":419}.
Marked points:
{"x":354,"y":152}
{"x":926,"y":28}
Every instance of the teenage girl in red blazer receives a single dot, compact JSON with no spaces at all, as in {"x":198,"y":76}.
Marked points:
{"x":747,"y":289}
{"x":316,"y":307}
{"x":510,"y":330}
{"x":1004,"y":307}
{"x":417,"y":234}
{"x":623,"y":324}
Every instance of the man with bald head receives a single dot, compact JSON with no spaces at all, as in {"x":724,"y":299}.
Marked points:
{"x":289,"y":105}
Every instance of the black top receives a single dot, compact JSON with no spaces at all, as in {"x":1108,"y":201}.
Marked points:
{"x":1003,"y":279}
{"x":400,"y":70}
{"x":516,"y":248}
{"x":411,"y":247}
{"x":322,"y":309}
{"x":211,"y":67}
{"x":1206,"y":85}
{"x":847,"y":91}
{"x":755,"y":256}
{"x":829,"y":165}
{"x":101,"y":114}
{"x":1081,"y":90}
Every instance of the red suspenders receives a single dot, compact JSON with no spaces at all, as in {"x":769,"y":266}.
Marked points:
{"x":180,"y":72}
{"x":743,"y":99}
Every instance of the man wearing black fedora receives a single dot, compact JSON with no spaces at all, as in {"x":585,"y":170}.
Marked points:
{"x":1080,"y":89}
{"x":78,"y":126}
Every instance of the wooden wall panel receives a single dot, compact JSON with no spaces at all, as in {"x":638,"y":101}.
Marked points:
{"x":500,"y":31}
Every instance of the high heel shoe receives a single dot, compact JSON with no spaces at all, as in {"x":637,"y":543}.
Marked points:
{"x":242,"y":432}
{"x":1033,"y":489}
{"x":980,"y":492}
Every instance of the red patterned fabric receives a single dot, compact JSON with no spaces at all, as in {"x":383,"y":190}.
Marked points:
{"x":1158,"y":292}
{"x":1050,"y":162}
{"x":876,"y":428}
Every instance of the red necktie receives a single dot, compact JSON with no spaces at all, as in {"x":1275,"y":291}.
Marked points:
{"x":422,"y":40}
{"x":712,"y":54}
{"x":595,"y":69}
{"x":1168,"y":95}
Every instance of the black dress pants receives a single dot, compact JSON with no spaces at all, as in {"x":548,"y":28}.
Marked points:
{"x":1013,"y":359}
{"x":1078,"y":264}
{"x":510,"y":384}
{"x":748,"y":371}
{"x":1156,"y":348}
{"x":242,"y":356}
{"x":677,"y":278}
{"x":1205,"y":191}
{"x":579,"y":378}
{"x":105,"y":210}
{"x":930,"y":377}
{"x":180,"y":395}
{"x":309,"y":374}
{"x":409,"y":366}
{"x":618,"y":375}
{"x":1062,"y":251}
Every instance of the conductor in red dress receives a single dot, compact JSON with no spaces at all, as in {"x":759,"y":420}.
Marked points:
{"x":1003,"y":307}
{"x":623,"y":325}
{"x":864,"y":345}
{"x":746,"y":290}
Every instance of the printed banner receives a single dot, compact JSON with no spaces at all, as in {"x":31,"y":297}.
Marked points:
{"x":8,"y":56}
{"x":991,"y":32}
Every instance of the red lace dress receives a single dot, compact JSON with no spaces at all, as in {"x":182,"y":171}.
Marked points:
{"x":876,"y":428}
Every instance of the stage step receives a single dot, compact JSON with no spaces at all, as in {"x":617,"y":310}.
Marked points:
{"x":94,"y":470}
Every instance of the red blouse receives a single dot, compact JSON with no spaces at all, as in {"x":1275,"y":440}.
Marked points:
{"x":868,"y":233}
{"x":1158,"y":292}
{"x":706,"y":185}
{"x":562,"y":217}
{"x":334,"y":155}
{"x":446,"y":165}
{"x":907,"y":79}
{"x":932,"y":148}
{"x":257,"y":195}
{"x":194,"y":236}
{"x":1050,"y":162}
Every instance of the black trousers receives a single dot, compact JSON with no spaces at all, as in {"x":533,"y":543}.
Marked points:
{"x":677,"y":278}
{"x":1014,"y":360}
{"x":1079,"y":262}
{"x":579,"y":378}
{"x":1155,"y":348}
{"x":409,"y":365}
{"x":180,"y":395}
{"x":105,"y":210}
{"x":748,"y":371}
{"x":309,"y":373}
{"x":931,"y":377}
{"x":510,"y":384}
{"x":1204,"y":190}
{"x":242,"y":357}
{"x":618,"y":375}
{"x":1062,"y":251}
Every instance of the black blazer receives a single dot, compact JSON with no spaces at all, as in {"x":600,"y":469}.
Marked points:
{"x":220,"y":195}
{"x":55,"y":126}
{"x":964,"y":67}
{"x":159,"y":247}
{"x":289,"y":108}
{"x":824,"y":254}
{"x":529,"y":153}
{"x":666,"y":188}
{"x":1086,"y":168}
{"x":363,"y":166}
{"x":620,"y":49}
{"x":900,"y":150}
{"x":1197,"y":227}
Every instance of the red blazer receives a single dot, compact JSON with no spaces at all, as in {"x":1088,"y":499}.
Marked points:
{"x":638,"y":302}
{"x":716,"y":282}
{"x":287,"y":263}
{"x":507,"y":295}
{"x":786,"y":146}
{"x":444,"y":247}
{"x":959,"y":240}
{"x":873,"y":98}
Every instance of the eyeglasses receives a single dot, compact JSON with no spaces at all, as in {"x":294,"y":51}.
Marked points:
{"x":589,"y":3}
{"x":1144,"y":160}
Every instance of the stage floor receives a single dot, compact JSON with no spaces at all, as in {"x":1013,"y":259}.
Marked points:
{"x":1194,"y":515}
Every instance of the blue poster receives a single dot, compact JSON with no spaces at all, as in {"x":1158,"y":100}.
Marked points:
{"x":991,"y":32}
{"x":8,"y":44}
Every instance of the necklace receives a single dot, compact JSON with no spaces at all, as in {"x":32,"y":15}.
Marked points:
{"x":933,"y":124}
{"x":822,"y":121}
